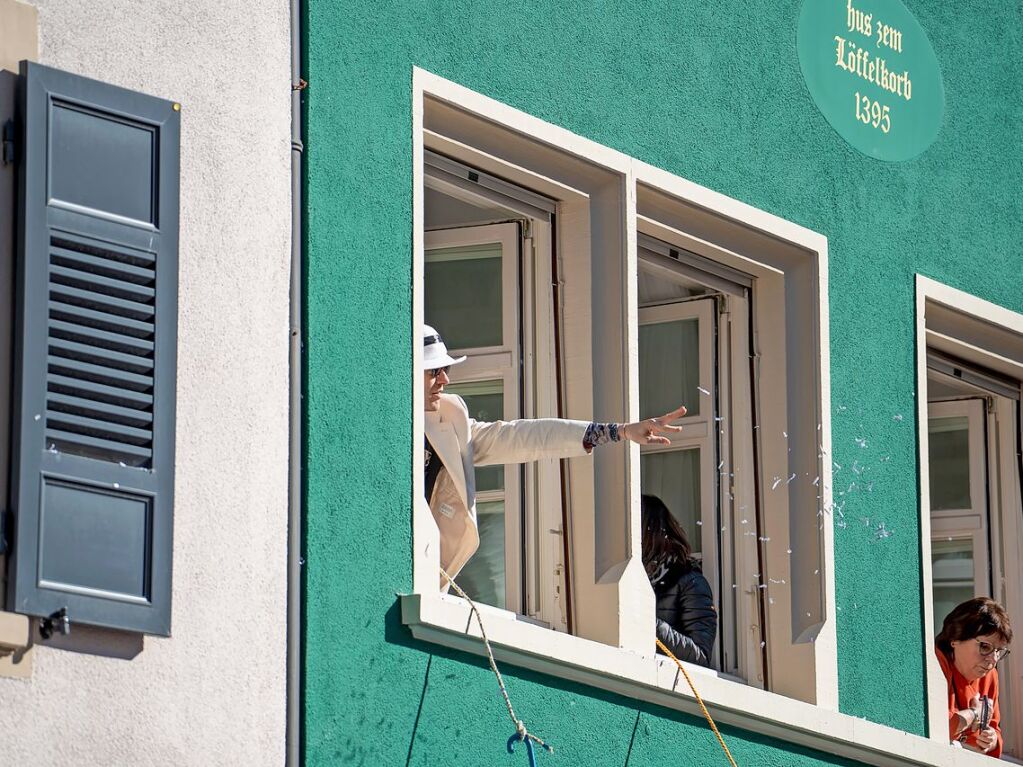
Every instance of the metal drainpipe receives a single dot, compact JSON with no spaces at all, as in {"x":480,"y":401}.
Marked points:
{"x":293,"y":732}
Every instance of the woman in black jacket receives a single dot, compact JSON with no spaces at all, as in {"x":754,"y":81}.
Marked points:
{"x":687,"y":622}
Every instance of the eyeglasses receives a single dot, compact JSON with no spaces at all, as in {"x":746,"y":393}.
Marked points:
{"x":987,"y":649}
{"x":437,"y":371}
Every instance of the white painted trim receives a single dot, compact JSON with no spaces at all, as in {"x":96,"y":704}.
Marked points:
{"x":447,"y":620}
{"x":966,"y":303}
{"x":582,"y":148}
{"x":601,"y":163}
{"x":815,"y":245}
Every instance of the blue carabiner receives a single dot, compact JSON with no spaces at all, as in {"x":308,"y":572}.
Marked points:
{"x":529,"y":747}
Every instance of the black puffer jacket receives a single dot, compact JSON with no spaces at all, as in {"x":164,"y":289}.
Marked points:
{"x":687,"y":621}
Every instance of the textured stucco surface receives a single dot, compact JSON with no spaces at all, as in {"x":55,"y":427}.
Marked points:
{"x":711,"y":92}
{"x":214,"y":693}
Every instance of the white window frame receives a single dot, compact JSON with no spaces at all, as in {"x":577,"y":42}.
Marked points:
{"x":964,"y":326}
{"x":591,"y":183}
{"x":969,"y":523}
{"x":501,"y":363}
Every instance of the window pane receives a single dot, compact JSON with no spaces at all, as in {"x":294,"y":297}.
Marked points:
{"x":464,"y":296}
{"x":949,"y":463}
{"x":485,"y":400}
{"x":952,"y":567}
{"x":483,"y":577}
{"x":674,"y":477}
{"x":669,"y":367}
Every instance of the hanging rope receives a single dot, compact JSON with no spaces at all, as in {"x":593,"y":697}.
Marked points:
{"x":521,"y":733}
{"x":699,"y":700}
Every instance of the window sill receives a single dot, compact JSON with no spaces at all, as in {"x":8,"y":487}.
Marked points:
{"x":447,"y":620}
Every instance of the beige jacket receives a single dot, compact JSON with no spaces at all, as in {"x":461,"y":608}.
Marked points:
{"x":462,"y":443}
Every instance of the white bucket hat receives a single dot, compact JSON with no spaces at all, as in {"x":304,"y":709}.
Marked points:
{"x":435,"y":353}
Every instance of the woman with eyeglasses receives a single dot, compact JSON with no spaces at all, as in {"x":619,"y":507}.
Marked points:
{"x":973,"y":638}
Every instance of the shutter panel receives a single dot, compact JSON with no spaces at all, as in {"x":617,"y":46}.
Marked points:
{"x":95,"y":353}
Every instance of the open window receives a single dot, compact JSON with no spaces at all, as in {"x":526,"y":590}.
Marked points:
{"x":583,"y":284}
{"x":485,"y":243}
{"x":972,"y":355}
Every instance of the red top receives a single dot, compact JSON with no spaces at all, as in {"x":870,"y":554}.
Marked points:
{"x":961,"y":692}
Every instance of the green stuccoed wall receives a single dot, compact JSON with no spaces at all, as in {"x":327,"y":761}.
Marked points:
{"x":711,"y":92}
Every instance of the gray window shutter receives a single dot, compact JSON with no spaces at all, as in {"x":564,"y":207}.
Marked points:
{"x":95,"y":353}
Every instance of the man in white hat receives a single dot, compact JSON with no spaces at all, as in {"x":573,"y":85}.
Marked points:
{"x":455,"y":444}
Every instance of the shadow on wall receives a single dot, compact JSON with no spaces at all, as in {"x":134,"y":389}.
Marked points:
{"x":90,"y":640}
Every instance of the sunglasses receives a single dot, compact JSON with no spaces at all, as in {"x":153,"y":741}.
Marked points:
{"x":987,"y":649}
{"x":437,"y":371}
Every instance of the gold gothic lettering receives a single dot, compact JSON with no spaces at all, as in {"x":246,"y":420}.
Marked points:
{"x":858,"y":61}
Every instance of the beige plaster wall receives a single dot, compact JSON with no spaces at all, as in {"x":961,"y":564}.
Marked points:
{"x":213,"y":693}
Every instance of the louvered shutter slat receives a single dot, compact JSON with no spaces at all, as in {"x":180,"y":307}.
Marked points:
{"x":98,"y":283}
{"x":66,"y":257}
{"x":88,"y":426}
{"x":98,"y":319}
{"x":95,"y":353}
{"x":99,"y":301}
{"x":107,"y":448}
{"x":93,"y":390}
{"x":97,"y":409}
{"x":101,"y":356}
{"x":100,"y":338}
{"x":101,"y":374}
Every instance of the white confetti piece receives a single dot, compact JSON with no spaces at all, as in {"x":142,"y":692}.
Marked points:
{"x":777,"y":481}
{"x":703,"y":391}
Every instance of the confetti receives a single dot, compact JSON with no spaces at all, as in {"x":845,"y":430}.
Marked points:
{"x":703,"y":391}
{"x":897,"y":417}
{"x":860,"y":441}
{"x":777,"y":481}
{"x":791,"y":478}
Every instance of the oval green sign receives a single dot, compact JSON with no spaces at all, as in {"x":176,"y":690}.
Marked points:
{"x":873,"y":74}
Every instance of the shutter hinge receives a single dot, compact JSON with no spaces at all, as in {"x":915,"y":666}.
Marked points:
{"x":59,"y":621}
{"x":8,"y":142}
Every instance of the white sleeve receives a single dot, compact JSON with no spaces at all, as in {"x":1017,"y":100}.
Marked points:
{"x":500,"y":442}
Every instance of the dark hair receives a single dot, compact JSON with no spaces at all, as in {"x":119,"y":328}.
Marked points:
{"x":663,"y":536}
{"x":973,"y":618}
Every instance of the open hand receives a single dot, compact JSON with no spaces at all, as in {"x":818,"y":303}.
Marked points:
{"x":651,"y":431}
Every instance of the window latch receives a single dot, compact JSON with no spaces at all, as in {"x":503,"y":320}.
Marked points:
{"x":59,"y":621}
{"x":8,"y":142}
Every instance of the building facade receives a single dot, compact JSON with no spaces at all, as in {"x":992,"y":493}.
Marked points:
{"x":608,"y":209}
{"x":797,"y":219}
{"x":209,"y":687}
